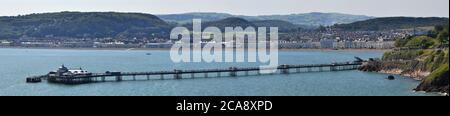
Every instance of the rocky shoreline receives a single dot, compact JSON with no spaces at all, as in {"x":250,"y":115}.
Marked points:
{"x":412,"y":69}
{"x":416,"y":75}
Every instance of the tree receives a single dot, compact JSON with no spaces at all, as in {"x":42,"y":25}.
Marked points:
{"x":401,"y":42}
{"x":438,"y":28}
{"x":423,"y":42}
{"x":322,"y":28}
{"x":443,"y":37}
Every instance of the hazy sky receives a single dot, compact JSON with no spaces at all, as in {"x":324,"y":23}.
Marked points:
{"x":380,"y":8}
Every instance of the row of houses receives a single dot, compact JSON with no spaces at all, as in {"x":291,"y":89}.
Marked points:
{"x":331,"y":44}
{"x":123,"y":45}
{"x":91,"y":45}
{"x":322,"y":44}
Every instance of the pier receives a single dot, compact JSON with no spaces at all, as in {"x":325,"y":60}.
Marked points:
{"x":185,"y":74}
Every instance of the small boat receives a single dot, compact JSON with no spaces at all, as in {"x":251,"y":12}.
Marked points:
{"x":148,"y":54}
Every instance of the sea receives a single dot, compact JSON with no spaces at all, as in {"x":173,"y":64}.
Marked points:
{"x":18,"y":63}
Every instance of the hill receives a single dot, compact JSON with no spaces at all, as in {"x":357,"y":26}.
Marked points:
{"x":391,"y":23}
{"x":83,"y":24}
{"x":317,"y":19}
{"x":283,"y":26}
{"x":230,"y":22}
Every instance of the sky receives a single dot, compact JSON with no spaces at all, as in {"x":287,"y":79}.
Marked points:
{"x":378,"y":8}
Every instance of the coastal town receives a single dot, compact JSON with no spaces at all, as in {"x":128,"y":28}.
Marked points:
{"x":328,"y":39}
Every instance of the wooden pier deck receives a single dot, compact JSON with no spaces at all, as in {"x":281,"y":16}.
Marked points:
{"x":178,"y":74}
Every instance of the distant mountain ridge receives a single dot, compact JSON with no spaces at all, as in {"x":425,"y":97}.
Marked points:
{"x":283,"y":26}
{"x":187,"y":17}
{"x":309,"y":19}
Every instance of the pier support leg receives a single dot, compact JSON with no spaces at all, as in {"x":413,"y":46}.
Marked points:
{"x":177,"y":76}
{"x":192,"y":75}
{"x":162,"y":77}
{"x":285,"y":71}
{"x":206,"y":75}
{"x":332,"y":68}
{"x":218,"y":74}
{"x":134,"y":77}
{"x":148,"y":77}
{"x":103,"y":79}
{"x":118,"y":78}
{"x":233,"y":73}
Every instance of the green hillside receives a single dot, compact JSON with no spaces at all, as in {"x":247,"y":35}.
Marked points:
{"x":391,"y":23}
{"x":82,"y":24}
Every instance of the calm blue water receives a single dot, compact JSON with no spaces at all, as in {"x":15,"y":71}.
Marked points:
{"x":16,"y":64}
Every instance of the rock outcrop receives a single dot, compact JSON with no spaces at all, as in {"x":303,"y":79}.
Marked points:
{"x":430,"y":67}
{"x":437,"y":82}
{"x":414,"y":69}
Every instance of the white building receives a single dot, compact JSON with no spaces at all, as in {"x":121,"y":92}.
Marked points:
{"x":5,"y":43}
{"x":79,"y":71}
